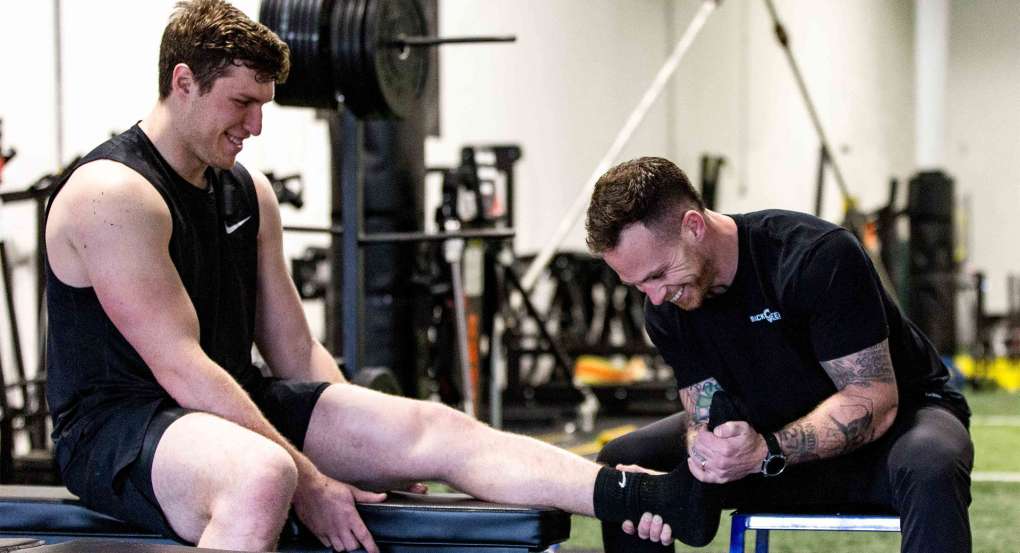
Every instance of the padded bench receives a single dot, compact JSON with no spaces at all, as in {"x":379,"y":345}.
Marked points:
{"x":404,"y":523}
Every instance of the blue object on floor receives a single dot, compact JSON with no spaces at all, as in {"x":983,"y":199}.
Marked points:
{"x":762,"y":523}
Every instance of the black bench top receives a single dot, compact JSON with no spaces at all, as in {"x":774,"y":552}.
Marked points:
{"x":404,"y":518}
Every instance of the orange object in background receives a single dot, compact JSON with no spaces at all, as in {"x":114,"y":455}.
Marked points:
{"x":593,"y":370}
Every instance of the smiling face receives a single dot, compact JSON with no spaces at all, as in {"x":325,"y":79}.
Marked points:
{"x":215,"y":124}
{"x":674,"y":269}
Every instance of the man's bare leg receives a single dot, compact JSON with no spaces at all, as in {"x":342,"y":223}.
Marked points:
{"x":364,"y":437}
{"x":221,"y":485}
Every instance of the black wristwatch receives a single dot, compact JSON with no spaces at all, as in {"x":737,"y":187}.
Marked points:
{"x":775,"y":462}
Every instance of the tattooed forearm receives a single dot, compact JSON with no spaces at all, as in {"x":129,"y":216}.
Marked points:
{"x":697,"y":399}
{"x":841,"y":424}
{"x":856,"y":428}
{"x":864,"y":368}
{"x":799,"y":441}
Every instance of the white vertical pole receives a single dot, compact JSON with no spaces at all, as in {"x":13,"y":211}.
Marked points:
{"x":58,"y":83}
{"x":931,"y":49}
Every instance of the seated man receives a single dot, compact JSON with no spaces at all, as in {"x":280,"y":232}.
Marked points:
{"x":165,"y":266}
{"x":834,"y":397}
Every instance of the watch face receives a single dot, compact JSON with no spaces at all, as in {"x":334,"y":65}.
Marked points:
{"x":774,"y":465}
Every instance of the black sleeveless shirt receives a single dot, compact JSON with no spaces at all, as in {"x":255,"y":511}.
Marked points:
{"x":96,"y":381}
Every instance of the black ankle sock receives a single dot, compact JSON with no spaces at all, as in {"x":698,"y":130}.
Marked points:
{"x":677,"y":497}
{"x":690,"y":507}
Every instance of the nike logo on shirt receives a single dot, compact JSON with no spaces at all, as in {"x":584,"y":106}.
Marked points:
{"x":623,"y":479}
{"x":235,"y":226}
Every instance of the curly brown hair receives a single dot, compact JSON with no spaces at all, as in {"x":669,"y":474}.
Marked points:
{"x":650,"y":190}
{"x":210,"y":36}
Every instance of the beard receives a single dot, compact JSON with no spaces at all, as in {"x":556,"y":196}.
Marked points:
{"x":702,"y":288}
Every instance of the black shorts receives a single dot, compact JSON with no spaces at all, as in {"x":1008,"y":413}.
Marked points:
{"x":128,"y":495}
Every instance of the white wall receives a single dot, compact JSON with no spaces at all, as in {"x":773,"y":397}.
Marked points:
{"x":562,"y":91}
{"x":983,"y":127}
{"x":26,"y":107}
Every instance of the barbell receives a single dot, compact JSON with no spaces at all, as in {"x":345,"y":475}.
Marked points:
{"x":371,"y":56}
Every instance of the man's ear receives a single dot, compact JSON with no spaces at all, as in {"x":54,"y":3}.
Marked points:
{"x":694,"y":223}
{"x":182,"y":79}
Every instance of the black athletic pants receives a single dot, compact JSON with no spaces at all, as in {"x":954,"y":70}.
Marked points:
{"x":920,"y":469}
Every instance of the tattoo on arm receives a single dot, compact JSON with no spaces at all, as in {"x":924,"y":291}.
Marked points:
{"x":697,"y":399}
{"x":864,"y":368}
{"x":857,"y":430}
{"x":799,"y":441}
{"x":846,"y":421}
{"x":844,"y":429}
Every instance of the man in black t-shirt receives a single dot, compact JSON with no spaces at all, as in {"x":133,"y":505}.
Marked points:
{"x":841,"y":400}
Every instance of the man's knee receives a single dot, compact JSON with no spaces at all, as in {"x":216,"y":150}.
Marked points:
{"x":264,"y":479}
{"x":932,"y":466}
{"x":931,"y":458}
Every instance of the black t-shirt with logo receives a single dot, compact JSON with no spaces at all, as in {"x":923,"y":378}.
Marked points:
{"x":804,"y":292}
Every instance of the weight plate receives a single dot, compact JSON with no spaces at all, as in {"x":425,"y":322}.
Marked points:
{"x":395,"y":75}
{"x":346,"y":47}
{"x":303,"y":25}
{"x":365,"y":101}
{"x":340,"y":32}
{"x":346,"y":53}
{"x":354,"y":91}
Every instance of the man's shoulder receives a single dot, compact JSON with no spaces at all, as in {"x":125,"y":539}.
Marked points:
{"x":782,"y":222}
{"x":101,"y":204}
{"x":105,"y":196}
{"x":787,"y":234}
{"x":107,"y":180}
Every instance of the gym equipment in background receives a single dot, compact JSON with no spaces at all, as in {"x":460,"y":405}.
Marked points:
{"x":711,"y":166}
{"x":6,"y":154}
{"x":496,"y":314}
{"x":534,"y":352}
{"x":931,"y":265}
{"x":286,"y":192}
{"x":853,"y":218}
{"x":369,"y":55}
{"x":28,"y":415}
{"x":371,"y":58}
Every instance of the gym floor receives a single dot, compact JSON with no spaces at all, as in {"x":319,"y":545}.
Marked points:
{"x":995,"y":428}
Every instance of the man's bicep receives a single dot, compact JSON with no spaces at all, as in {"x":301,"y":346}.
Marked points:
{"x":697,"y":399}
{"x":866,"y":403}
{"x":867,"y":368}
{"x":122,"y":242}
